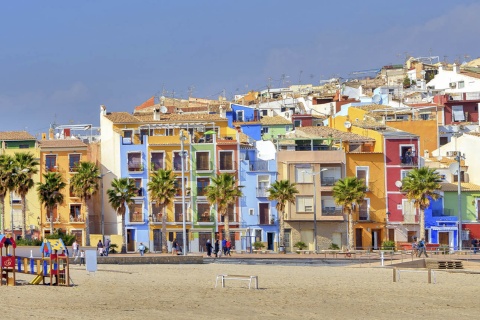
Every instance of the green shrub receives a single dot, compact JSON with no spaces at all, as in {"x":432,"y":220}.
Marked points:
{"x":258,"y":245}
{"x":334,"y":246}
{"x":68,"y":239}
{"x":300,"y":245}
{"x":388,"y":245}
{"x":113,"y":246}
{"x":444,"y":249}
{"x":29,"y":242}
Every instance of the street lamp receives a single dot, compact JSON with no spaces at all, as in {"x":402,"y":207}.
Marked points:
{"x":182,"y":157}
{"x":458,"y":158}
{"x":315,"y":208}
{"x":102,"y":205}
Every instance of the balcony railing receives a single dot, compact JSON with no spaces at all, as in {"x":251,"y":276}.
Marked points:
{"x":363,"y":215}
{"x":202,"y":191}
{"x":262,"y":192}
{"x":139,"y":192}
{"x":51,"y":168}
{"x":205,"y":218}
{"x":328,"y":181}
{"x":228,"y":137}
{"x":136,"y":217}
{"x":332,"y":211}
{"x":135,"y":166}
{"x":258,"y":166}
{"x":443,"y":213}
{"x":56,"y":219}
{"x":228,"y":165}
{"x":76,"y":219}
{"x":179,"y":217}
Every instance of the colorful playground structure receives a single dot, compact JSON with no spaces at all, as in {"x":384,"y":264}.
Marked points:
{"x":52,"y":264}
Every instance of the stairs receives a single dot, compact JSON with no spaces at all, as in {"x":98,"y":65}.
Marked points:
{"x":443,"y":264}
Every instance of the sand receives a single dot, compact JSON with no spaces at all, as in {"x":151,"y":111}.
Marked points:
{"x":286,"y":292}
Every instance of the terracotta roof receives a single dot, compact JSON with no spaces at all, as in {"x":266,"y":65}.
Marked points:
{"x":16,"y":135}
{"x":125,"y":117}
{"x":266,"y":121}
{"x":326,"y":132}
{"x":243,"y":138}
{"x":464,"y":187}
{"x":62,"y":143}
{"x":121,"y":117}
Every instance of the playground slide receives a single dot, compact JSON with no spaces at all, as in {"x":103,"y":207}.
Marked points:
{"x":36,"y":280}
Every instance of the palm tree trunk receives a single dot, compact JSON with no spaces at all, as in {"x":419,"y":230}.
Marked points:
{"x":226,"y":223}
{"x":124,"y":238}
{"x":350,"y":230}
{"x":87,"y":223}
{"x":164,"y":231}
{"x":281,"y":239}
{"x":421,"y":223}
{"x":24,"y":216}
{"x":50,"y":211}
{"x":2,"y":210}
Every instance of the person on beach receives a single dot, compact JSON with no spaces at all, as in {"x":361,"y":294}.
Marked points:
{"x":415,"y":246}
{"x":174,"y":247}
{"x":141,"y":249}
{"x":82,"y":257}
{"x":217,"y":248}
{"x":224,"y":246}
{"x":422,"y":248}
{"x":107,"y":247}
{"x":229,"y":246}
{"x":209,"y":248}
{"x":100,"y":248}
{"x":75,"y":249}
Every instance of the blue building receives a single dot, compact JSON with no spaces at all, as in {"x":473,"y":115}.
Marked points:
{"x":247,"y":119}
{"x":441,"y":225}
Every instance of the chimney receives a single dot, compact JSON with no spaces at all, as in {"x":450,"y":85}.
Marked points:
{"x":456,"y":68}
{"x":223,"y":112}
{"x":156,"y":114}
{"x":103,"y":110}
{"x":50,"y":134}
{"x":44,"y":136}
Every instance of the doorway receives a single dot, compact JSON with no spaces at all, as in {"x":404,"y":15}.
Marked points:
{"x":307,"y":237}
{"x":202,"y":240}
{"x":157,"y":240}
{"x":130,"y":240}
{"x":358,"y":239}
{"x":270,"y":241}
{"x":376,"y":239}
{"x":444,"y":238}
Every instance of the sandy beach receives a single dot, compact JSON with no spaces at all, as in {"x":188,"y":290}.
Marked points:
{"x":286,"y":292}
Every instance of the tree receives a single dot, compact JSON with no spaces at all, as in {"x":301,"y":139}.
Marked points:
{"x":84,"y":184}
{"x":348,"y":192}
{"x":282,"y":191}
{"x":50,"y":193}
{"x":224,"y":192}
{"x":420,"y":186}
{"x":6,"y":185}
{"x":120,"y":196}
{"x":24,"y":167}
{"x":162,"y":190}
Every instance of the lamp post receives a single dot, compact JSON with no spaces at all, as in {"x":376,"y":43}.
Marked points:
{"x":182,"y":157}
{"x":458,"y":158}
{"x":315,"y":208}
{"x":102,"y":205}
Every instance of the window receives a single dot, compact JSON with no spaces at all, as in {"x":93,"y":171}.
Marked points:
{"x":23,"y":146}
{"x":157,"y":212}
{"x":135,"y":161}
{"x":457,"y":113}
{"x":288,"y":128}
{"x":177,"y":161}
{"x":297,"y":123}
{"x":169,"y":132}
{"x":363,"y":210}
{"x":127,"y":136}
{"x":404,"y":173}
{"x":408,"y":211}
{"x":304,"y":204}
{"x":263,"y":185}
{"x":203,"y":211}
{"x":138,"y":187}
{"x":355,"y":147}
{"x":251,"y":212}
{"x":264,"y":112}
{"x":362,"y":173}
{"x":303,"y":174}
{"x":136,"y":211}
{"x":73,"y":160}
{"x":226,"y":160}
{"x":51,"y":162}
{"x":178,"y":212}
{"x":461,"y":84}
{"x":157,"y":161}
{"x":230,"y":212}
{"x":203,"y":160}
{"x":75,"y":212}
{"x":202,"y":184}
{"x":178,"y":186}
{"x":240,"y":116}
{"x":265,"y":130}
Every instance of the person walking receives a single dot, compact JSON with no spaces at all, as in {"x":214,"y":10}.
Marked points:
{"x":475,"y":245}
{"x":141,"y":249}
{"x":415,"y":247}
{"x":217,"y":248}
{"x":100,"y":248}
{"x":107,"y":247}
{"x":229,"y":246}
{"x":224,"y":246}
{"x":75,"y":249}
{"x":209,"y":248}
{"x":422,"y":248}
{"x":82,"y":257}
{"x":175,"y":247}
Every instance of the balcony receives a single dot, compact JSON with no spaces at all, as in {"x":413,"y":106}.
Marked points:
{"x":139,"y":192}
{"x":202,"y":191}
{"x":56,"y":219}
{"x":228,"y":165}
{"x":443,"y":213}
{"x":136,"y":217}
{"x":76,"y":219}
{"x":205,"y":218}
{"x":227,"y":137}
{"x":51,"y":168}
{"x":262,"y":192}
{"x":332,"y":211}
{"x":258,"y":166}
{"x":363,"y":215}
{"x":328,"y":181}
{"x":179,"y":217}
{"x":135,"y":166}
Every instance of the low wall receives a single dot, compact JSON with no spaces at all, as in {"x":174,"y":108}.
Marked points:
{"x":113,"y":259}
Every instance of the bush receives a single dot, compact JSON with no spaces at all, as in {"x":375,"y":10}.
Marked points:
{"x":300,"y":245}
{"x":444,"y":249}
{"x":113,"y":246}
{"x":258,"y":245}
{"x":29,"y":242}
{"x":68,"y":239}
{"x":388,"y":245}
{"x":334,"y":246}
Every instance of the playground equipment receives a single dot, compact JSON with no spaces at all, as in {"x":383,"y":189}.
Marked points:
{"x":52,"y":264}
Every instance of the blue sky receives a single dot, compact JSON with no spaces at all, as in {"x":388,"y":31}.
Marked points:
{"x":59,"y":60}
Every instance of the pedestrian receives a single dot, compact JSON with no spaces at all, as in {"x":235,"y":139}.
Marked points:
{"x":82,"y":257}
{"x":229,"y":246}
{"x":422,"y":248}
{"x":100,"y":248}
{"x":224,"y":246}
{"x":217,"y":248}
{"x":414,"y":247}
{"x":75,"y":249}
{"x":209,"y":248}
{"x":141,"y":249}
{"x":107,"y":247}
{"x":174,"y":247}
{"x":475,"y":245}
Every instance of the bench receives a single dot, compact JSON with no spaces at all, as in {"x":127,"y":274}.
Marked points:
{"x":224,"y":277}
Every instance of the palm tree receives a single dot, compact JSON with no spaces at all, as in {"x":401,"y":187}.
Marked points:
{"x":282,"y":191}
{"x":348,"y":192}
{"x":162,"y":190}
{"x":24,"y":167}
{"x":420,"y":186}
{"x":120,"y":196}
{"x":224,"y":192}
{"x":84,"y":184}
{"x":6,"y":185}
{"x":49,"y":193}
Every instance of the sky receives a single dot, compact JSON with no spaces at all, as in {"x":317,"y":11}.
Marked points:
{"x":61,"y":60}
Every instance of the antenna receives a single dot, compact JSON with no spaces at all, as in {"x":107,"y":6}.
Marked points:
{"x":377,"y":99}
{"x":163,"y":109}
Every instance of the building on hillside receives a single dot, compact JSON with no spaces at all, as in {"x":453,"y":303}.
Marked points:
{"x":13,"y":142}
{"x":273,"y":127}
